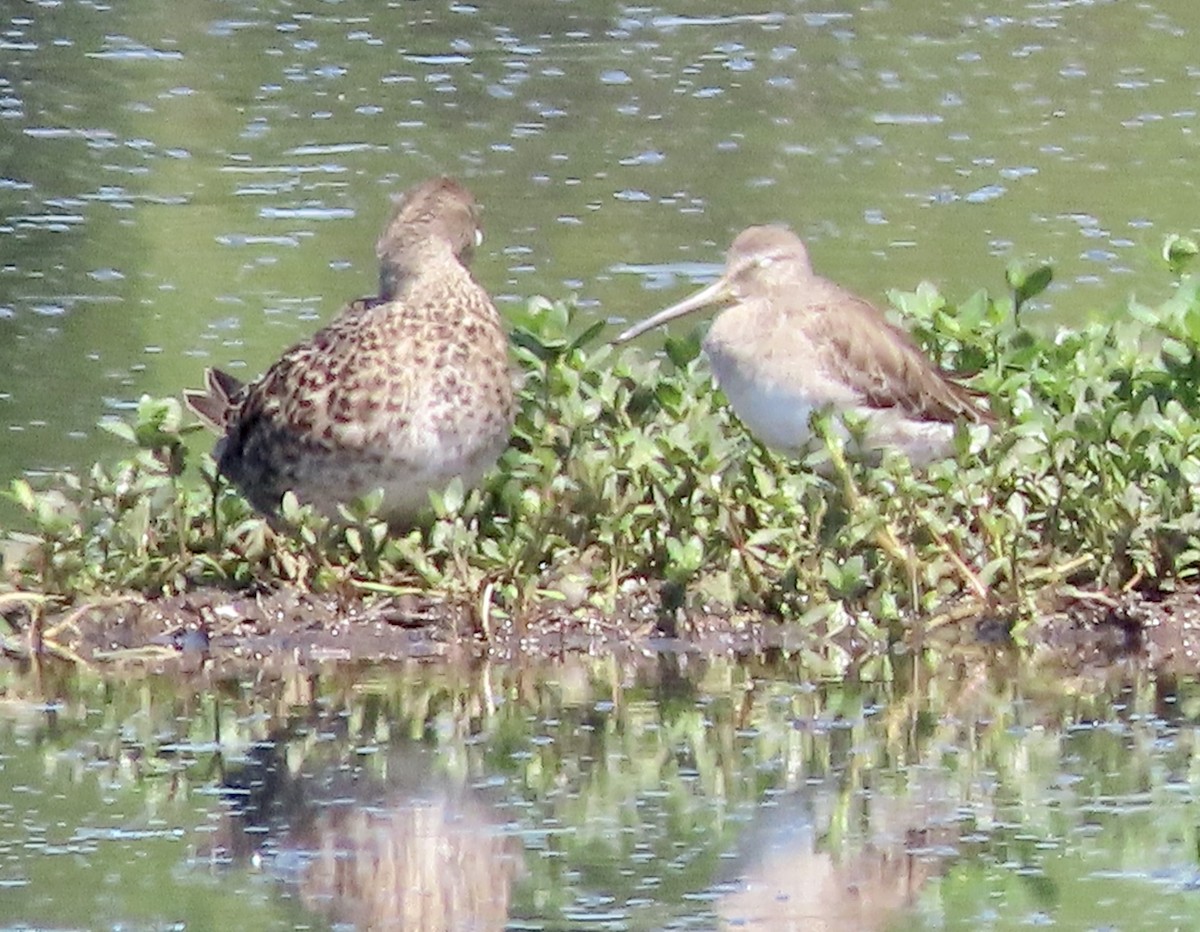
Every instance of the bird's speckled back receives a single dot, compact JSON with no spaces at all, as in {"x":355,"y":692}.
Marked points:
{"x":401,"y":391}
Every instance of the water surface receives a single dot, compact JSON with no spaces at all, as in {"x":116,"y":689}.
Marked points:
{"x":681,"y":794}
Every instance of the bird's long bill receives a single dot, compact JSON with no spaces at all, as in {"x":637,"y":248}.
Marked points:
{"x":715,"y":293}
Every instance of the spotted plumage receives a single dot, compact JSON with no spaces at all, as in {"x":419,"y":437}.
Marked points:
{"x":401,"y":391}
{"x":791,"y":343}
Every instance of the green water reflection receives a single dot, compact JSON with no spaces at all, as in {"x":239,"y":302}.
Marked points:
{"x":191,"y":184}
{"x":681,"y":794}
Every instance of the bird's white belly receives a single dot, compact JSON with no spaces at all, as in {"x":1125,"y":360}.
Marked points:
{"x":778,"y":415}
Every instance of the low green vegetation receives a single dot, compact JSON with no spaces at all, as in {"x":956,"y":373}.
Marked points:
{"x":629,"y":479}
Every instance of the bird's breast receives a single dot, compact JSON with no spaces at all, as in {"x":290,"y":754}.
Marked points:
{"x":776,"y":411}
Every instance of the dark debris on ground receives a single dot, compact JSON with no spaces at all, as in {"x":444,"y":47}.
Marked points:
{"x":284,"y":626}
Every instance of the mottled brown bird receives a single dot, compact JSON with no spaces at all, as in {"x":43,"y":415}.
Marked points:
{"x":401,"y":392}
{"x":792,"y":342}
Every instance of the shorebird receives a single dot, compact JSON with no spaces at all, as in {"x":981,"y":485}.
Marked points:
{"x":792,"y":343}
{"x":402,"y":391}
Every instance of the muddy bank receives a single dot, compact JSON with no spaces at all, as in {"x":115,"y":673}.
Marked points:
{"x":274,"y":627}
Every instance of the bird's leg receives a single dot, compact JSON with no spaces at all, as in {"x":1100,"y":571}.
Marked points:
{"x":212,"y":479}
{"x":885,"y":537}
{"x":974,"y":583}
{"x":754,"y":565}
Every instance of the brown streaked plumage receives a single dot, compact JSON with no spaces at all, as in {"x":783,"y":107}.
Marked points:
{"x":400,"y":392}
{"x":792,"y":342}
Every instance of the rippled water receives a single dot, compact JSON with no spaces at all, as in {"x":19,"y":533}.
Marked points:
{"x":681,"y":795}
{"x":191,"y":184}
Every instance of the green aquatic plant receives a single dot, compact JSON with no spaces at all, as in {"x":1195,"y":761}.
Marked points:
{"x":629,"y":484}
{"x":1026,"y":283}
{"x":1179,"y":252}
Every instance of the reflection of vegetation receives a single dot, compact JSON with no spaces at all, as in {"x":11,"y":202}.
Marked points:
{"x":1021,"y":790}
{"x":622,"y":469}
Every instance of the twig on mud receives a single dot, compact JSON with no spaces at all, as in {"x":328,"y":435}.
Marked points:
{"x":38,"y":640}
{"x":976,"y":609}
{"x":485,"y":610}
{"x":1101,"y":598}
{"x":1134,"y":581}
{"x":148,"y":652}
{"x":1063,"y":569}
{"x":76,"y":614}
{"x":370,"y":585}
{"x":37,"y":600}
{"x":64,"y":653}
{"x":20,"y":597}
{"x":961,"y":612}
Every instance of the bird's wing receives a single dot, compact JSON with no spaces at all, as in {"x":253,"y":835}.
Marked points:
{"x":299,"y":392}
{"x":885,"y":367}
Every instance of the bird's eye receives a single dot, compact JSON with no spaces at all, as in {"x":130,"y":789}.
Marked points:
{"x":765,"y":262}
{"x":478,"y":236}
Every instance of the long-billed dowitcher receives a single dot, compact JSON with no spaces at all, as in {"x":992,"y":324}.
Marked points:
{"x":400,"y":392}
{"x":792,"y":343}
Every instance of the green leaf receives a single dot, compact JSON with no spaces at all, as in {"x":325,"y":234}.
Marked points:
{"x":1179,"y":251}
{"x":1027,"y":282}
{"x":681,"y":351}
{"x":22,"y":493}
{"x":118,"y":428}
{"x":586,"y":336}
